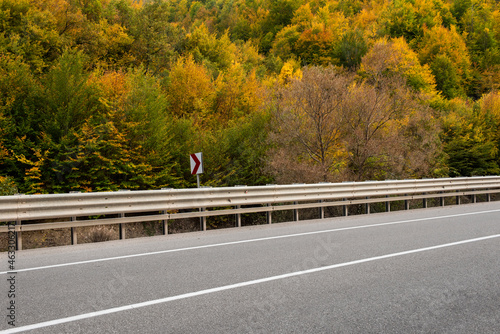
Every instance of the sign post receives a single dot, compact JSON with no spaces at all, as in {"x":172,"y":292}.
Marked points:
{"x":196,"y":160}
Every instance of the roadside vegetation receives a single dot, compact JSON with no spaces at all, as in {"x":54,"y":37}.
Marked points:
{"x":102,"y":95}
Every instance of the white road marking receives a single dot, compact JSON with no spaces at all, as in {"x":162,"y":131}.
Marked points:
{"x":251,"y":240}
{"x":237,"y":285}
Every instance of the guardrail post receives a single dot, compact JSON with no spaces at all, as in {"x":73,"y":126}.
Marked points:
{"x":19,"y":234}
{"x":488,"y":197}
{"x":269,"y":215}
{"x":238,"y":217}
{"x":387,"y":205}
{"x":295,"y":213}
{"x":74,"y":239}
{"x":457,"y":200}
{"x":122,"y":227}
{"x":19,"y":237}
{"x":345,"y":209}
{"x":441,"y":200}
{"x":165,"y":223}
{"x":474,"y":199}
{"x":424,"y":202}
{"x":321,"y":210}
{"x":203,"y":221}
{"x":367,"y":207}
{"x":407,"y":203}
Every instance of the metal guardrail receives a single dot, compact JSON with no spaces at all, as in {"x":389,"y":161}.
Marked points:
{"x":166,"y":204}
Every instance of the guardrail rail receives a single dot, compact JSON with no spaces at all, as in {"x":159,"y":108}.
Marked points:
{"x":167,"y":204}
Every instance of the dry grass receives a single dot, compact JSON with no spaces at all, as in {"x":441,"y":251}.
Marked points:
{"x":4,"y":242}
{"x":46,"y":238}
{"x":100,"y":234}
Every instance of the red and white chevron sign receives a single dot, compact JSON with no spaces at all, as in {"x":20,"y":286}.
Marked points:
{"x":196,"y":163}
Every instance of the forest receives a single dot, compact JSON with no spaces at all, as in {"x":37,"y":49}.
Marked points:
{"x":104,"y":95}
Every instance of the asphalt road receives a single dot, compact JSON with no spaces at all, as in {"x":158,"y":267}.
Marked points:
{"x":422,"y":271}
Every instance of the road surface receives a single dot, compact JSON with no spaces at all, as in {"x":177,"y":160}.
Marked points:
{"x":433,"y":270}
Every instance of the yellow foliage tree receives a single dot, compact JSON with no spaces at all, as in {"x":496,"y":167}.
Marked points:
{"x":366,"y":20}
{"x":290,"y":71}
{"x":190,"y":89}
{"x":236,"y":94}
{"x":490,"y":105}
{"x":215,"y":53}
{"x":303,"y":17}
{"x":396,"y":57}
{"x":33,"y":174}
{"x":440,"y":40}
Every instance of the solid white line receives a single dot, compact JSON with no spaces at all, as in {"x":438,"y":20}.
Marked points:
{"x":237,"y":285}
{"x":251,"y":240}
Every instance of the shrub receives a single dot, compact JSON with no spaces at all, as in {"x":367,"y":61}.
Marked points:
{"x":7,"y":186}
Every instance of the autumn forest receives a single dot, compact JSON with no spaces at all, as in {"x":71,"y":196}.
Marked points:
{"x":103,"y":95}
